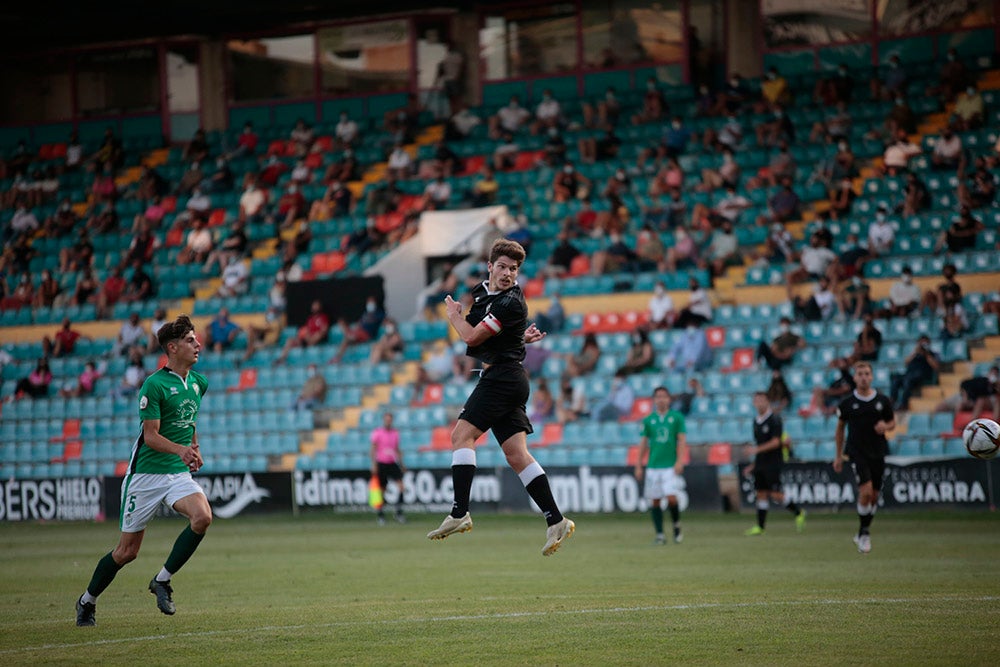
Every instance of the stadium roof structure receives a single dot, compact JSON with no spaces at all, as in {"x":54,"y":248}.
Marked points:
{"x":47,"y":26}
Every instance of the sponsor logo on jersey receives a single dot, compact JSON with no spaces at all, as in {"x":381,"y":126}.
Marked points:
{"x":143,"y":402}
{"x":173,"y":391}
{"x":878,"y":406}
{"x":186,"y":413}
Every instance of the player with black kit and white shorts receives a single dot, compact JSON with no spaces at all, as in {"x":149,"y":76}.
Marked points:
{"x":496,"y":331}
{"x":866,"y":415}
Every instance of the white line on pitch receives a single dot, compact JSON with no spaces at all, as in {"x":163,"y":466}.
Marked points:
{"x":513,"y":614}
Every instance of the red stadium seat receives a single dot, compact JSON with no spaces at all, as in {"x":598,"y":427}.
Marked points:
{"x":721,"y":453}
{"x":276,"y":147}
{"x":248,"y":380}
{"x":743,"y":358}
{"x":217,"y":217}
{"x":323,"y":144}
{"x":474,"y":164}
{"x":716,"y":337}
{"x":72,"y":451}
{"x":552,"y":434}
{"x":70,"y":431}
{"x":534,"y":288}
{"x":641,"y":408}
{"x":579,"y":266}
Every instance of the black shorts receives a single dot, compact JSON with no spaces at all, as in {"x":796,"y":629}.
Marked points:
{"x":767,"y":478}
{"x":499,"y":401}
{"x":867,"y":469}
{"x":387,"y":472}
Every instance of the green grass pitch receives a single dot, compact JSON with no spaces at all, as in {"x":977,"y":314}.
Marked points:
{"x":334,"y":589}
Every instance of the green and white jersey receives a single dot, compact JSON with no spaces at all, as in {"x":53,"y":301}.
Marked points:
{"x":167,"y":396}
{"x":662,"y":432}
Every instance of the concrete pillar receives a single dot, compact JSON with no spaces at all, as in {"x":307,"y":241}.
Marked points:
{"x":214,"y":109}
{"x":743,"y":48}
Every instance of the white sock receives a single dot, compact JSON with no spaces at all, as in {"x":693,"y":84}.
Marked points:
{"x":163,"y":576}
{"x":763,"y":504}
{"x":865,"y":510}
{"x":87,"y":598}
{"x":463,"y":457}
{"x":529,"y":474}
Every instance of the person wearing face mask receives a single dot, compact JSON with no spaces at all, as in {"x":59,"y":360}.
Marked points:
{"x":690,"y":352}
{"x":661,"y":307}
{"x":892,"y":82}
{"x":548,"y":113}
{"x":842,"y":199}
{"x":389,"y":346}
{"x":947,"y":151}
{"x":641,"y":355}
{"x":732,"y":97}
{"x":366,"y":329}
{"x":979,"y":395}
{"x":313,"y":392}
{"x":881,"y":234}
{"x":916,"y":196}
{"x":654,"y":104}
{"x":896,"y":158}
{"x":313,"y":332}
{"x":961,"y":234}
{"x":569,"y":184}
{"x":781,"y":350}
{"x":774,"y":89}
{"x":921,"y":366}
{"x":509,"y":118}
{"x":608,"y":109}
{"x":699,"y":308}
{"x":969,"y":111}
{"x":836,"y":124}
{"x":291,"y":206}
{"x":346,"y":133}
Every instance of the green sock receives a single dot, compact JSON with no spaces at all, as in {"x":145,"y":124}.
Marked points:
{"x":104,"y":574}
{"x":184,"y":547}
{"x":658,"y":519}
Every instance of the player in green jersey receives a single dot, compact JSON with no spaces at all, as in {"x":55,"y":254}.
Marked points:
{"x":163,"y":458}
{"x":664,"y":439}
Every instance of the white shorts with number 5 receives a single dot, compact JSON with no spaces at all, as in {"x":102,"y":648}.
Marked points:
{"x":142,"y":493}
{"x":662,"y":482}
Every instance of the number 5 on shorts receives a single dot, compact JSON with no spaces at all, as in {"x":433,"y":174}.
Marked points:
{"x":131,"y":504}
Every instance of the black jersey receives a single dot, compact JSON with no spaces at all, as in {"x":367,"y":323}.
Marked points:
{"x":860,"y":416}
{"x":506,"y":315}
{"x":771,"y":427}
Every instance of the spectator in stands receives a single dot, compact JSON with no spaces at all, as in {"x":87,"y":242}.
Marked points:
{"x":892,"y":81}
{"x":868,"y":343}
{"x":774,"y":89}
{"x":110,"y":293}
{"x":650,"y":252}
{"x":820,"y":305}
{"x":921,"y":366}
{"x":63,"y":342}
{"x":729,"y":135}
{"x":62,"y":221}
{"x":734,"y":95}
{"x":548,"y":114}
{"x":826,"y":399}
{"x":232,"y":248}
{"x":731,"y":205}
{"x":978,"y":395}
{"x":222,"y":180}
{"x":684,"y":252}
{"x":389,"y":346}
{"x":346,"y":134}
{"x":783,"y":206}
{"x":842,"y":199}
{"x":246,"y":143}
{"x":86,"y":289}
{"x":143,"y":245}
{"x":961,"y":234}
{"x":585,"y":361}
{"x":904,"y":296}
{"x":543,"y":404}
{"x":780,"y":352}
{"x":269,"y":331}
{"x":683,"y":401}
{"x":235,"y":279}
{"x":554,"y":148}
{"x":954,"y":322}
{"x":291,"y":206}
{"x":816,"y":261}
{"x":221,"y":332}
{"x":509,"y":119}
{"x":23,"y":222}
{"x":345,"y":170}
{"x":48,"y":290}
{"x":197,"y":148}
{"x":484,"y":189}
{"x":399,"y":163}
{"x":835,"y":126}
{"x":403,"y":122}
{"x":953,"y":77}
{"x":654,"y":104}
{"x":152,"y":216}
{"x":562,"y":256}
{"x":699,"y":308}
{"x":978,"y":190}
{"x":615,"y":257}
{"x":916,"y":196}
{"x":198,"y":245}
{"x":690,"y":351}
{"x":159,"y":319}
{"x":302,"y":138}
{"x":85,"y":383}
{"x":969,"y":111}
{"x":896,"y":158}
{"x":505,"y":152}
{"x":191,"y":179}
{"x":779,"y":129}
{"x":572,"y":403}
{"x":140,"y":286}
{"x":618,"y":402}
{"x":437,"y":193}
{"x":554,"y":318}
{"x":152,"y":184}
{"x":569,"y":184}
{"x":313,"y":392}
{"x":641,"y":356}
{"x":135,"y":374}
{"x":366,"y":329}
{"x":726,"y":175}
{"x":668,"y":179}
{"x":854,"y":300}
{"x":881,"y":233}
{"x":608,"y":109}
{"x":24,"y":293}
{"x":780,"y":169}
{"x":271,"y":172}
{"x":74,"y":152}
{"x":594,"y":149}
{"x":460,"y":124}
{"x":131,"y":336}
{"x":36,"y":384}
{"x":948,"y":150}
{"x":949,"y":290}
{"x":110,"y":151}
{"x":778,"y":394}
{"x":661,"y":307}
{"x":723,"y":250}
{"x":313,"y":332}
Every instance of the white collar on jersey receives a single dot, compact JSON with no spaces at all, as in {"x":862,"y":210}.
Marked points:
{"x":173,"y":372}
{"x":760,"y":419}
{"x":486,"y":286}
{"x":865,"y":398}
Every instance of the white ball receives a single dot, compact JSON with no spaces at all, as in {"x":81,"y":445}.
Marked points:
{"x":982,"y":438}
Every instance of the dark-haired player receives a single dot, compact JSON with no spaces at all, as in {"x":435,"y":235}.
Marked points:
{"x":769,"y":457}
{"x":163,"y":458}
{"x":664,"y":438}
{"x":496,"y":330}
{"x":866,"y":415}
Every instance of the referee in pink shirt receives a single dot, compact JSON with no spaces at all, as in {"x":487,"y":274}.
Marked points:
{"x":387,"y":463}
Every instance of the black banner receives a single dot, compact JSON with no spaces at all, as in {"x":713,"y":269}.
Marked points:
{"x":63,"y":499}
{"x":952,"y":483}
{"x":341,"y":297}
{"x":230,"y":495}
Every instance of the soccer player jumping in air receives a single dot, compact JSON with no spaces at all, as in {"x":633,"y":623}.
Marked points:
{"x":496,"y":330}
{"x":867,"y":415}
{"x":163,"y":458}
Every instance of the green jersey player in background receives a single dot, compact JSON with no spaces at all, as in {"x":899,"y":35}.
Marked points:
{"x":664,"y":439}
{"x":163,"y":458}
